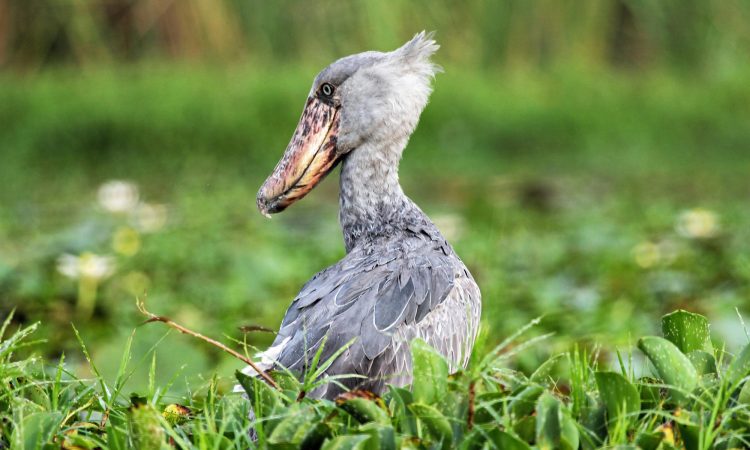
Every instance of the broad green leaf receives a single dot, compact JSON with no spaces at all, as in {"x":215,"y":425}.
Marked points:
{"x":117,"y":438}
{"x":263,"y":398}
{"x":382,"y":437}
{"x":650,"y":392}
{"x":488,"y":407}
{"x":595,"y":420}
{"x":403,"y":417}
{"x":554,"y":426}
{"x":208,"y":441}
{"x":430,"y":373}
{"x":569,"y":438}
{"x":673,"y":367}
{"x":739,"y":367}
{"x":524,"y":401}
{"x":548,"y":421}
{"x":494,"y":438}
{"x":317,"y":434}
{"x":347,"y":442}
{"x":649,"y":441}
{"x":296,"y":423}
{"x":542,"y":373}
{"x":744,"y":396}
{"x":688,"y":331}
{"x":526,"y":428}
{"x":78,"y":441}
{"x":233,"y":411}
{"x":618,"y":394}
{"x":365,"y":410}
{"x":690,"y":435}
{"x":36,"y":430}
{"x":704,"y":363}
{"x":506,"y":441}
{"x":438,"y":426}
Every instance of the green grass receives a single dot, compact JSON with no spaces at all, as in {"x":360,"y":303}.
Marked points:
{"x":692,"y":395}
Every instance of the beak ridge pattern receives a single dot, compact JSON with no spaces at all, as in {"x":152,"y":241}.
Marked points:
{"x":308,"y":158}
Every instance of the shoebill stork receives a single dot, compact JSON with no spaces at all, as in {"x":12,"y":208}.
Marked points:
{"x":400,"y":279}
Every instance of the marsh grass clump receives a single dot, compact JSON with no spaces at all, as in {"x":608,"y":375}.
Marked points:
{"x":690,"y":395}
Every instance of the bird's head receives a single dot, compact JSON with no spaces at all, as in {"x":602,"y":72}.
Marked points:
{"x":367,"y":97}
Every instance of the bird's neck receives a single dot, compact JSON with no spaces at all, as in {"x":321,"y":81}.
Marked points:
{"x":371,"y":201}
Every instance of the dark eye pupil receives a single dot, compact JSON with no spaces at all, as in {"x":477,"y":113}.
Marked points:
{"x":327,"y":89}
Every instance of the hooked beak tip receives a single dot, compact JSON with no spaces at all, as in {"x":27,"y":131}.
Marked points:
{"x":262,"y":205}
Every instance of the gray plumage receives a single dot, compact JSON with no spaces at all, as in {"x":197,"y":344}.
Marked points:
{"x":400,"y":279}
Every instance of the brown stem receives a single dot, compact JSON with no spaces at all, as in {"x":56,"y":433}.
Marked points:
{"x":470,"y":415}
{"x":170,"y":323}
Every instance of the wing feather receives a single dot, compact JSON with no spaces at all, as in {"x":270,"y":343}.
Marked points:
{"x":371,"y":297}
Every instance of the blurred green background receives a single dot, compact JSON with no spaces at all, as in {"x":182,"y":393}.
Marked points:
{"x":588,"y":159}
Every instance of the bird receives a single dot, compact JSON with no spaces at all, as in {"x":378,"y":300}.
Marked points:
{"x":400,"y":279}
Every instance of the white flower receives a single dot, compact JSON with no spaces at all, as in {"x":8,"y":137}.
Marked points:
{"x":86,"y":265}
{"x":698,"y":223}
{"x":150,"y":217}
{"x":118,"y":196}
{"x":648,"y":254}
{"x":67,"y":265}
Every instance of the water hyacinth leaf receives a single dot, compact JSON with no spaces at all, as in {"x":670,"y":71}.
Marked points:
{"x":439,"y":427}
{"x":688,"y":331}
{"x":382,"y":437}
{"x":704,"y":363}
{"x":672,"y":366}
{"x":347,"y":442}
{"x":430,"y":373}
{"x":618,"y":394}
{"x":36,"y":430}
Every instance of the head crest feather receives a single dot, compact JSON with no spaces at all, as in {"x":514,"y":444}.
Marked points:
{"x":418,"y":51}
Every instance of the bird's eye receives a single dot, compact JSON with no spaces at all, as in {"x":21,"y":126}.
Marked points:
{"x":327,"y":89}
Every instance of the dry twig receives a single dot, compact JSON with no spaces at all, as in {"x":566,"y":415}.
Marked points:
{"x":170,"y":323}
